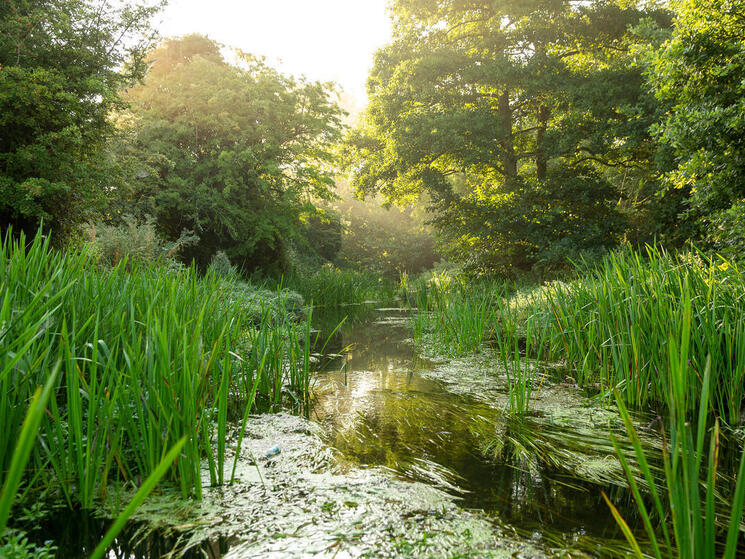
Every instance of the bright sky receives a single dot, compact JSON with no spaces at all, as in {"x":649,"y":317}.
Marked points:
{"x":328,"y":40}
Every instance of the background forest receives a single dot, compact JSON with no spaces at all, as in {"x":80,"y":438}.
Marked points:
{"x":508,"y":137}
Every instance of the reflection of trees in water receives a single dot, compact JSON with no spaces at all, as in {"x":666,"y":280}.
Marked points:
{"x":76,"y":535}
{"x":379,"y":411}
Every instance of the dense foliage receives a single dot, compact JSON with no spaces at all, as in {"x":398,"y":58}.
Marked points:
{"x":62,"y":65}
{"x":386,"y":240}
{"x":525,"y":123}
{"x":697,"y":73}
{"x":236,"y":153}
{"x":138,"y":358}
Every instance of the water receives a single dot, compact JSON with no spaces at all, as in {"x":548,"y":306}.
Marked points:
{"x":380,"y":408}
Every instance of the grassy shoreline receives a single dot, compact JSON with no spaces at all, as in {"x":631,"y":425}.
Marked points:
{"x":146,"y":356}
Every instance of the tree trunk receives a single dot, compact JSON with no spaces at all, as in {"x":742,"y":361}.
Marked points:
{"x":509,"y":161}
{"x":540,"y":150}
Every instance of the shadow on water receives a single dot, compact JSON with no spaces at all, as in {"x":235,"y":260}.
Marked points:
{"x":379,"y":409}
{"x":76,"y":534}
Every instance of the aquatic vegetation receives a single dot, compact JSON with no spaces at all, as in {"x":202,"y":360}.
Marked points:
{"x":460,"y":316}
{"x":16,"y":544}
{"x":146,"y":356}
{"x":610,"y":327}
{"x":308,"y":504}
{"x":683,"y":519}
{"x":330,"y":286}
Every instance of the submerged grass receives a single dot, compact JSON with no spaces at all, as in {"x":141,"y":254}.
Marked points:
{"x":146,"y":357}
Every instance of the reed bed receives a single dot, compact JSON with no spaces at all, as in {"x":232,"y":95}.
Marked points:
{"x":683,"y":519}
{"x":329,"y":286}
{"x":610,"y":328}
{"x":613,"y":326}
{"x":146,"y":357}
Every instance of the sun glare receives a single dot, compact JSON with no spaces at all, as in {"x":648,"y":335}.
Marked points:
{"x":328,"y":40}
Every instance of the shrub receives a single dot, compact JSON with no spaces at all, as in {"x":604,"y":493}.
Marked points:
{"x":136,"y":242}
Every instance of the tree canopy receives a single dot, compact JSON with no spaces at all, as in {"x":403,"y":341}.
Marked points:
{"x":62,"y":65}
{"x":234,"y":151}
{"x":520,"y":119}
{"x":698,"y":74}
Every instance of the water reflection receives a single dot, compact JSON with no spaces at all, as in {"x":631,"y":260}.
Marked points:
{"x":380,"y":410}
{"x":76,"y":534}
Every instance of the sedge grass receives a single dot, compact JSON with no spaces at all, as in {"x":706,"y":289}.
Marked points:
{"x":683,"y":520}
{"x":610,"y":327}
{"x":147,"y":356}
{"x":328,"y":286}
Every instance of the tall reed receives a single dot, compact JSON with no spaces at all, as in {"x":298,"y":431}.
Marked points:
{"x":330,"y":286}
{"x":611,"y":327}
{"x":683,"y":519}
{"x":146,"y":357}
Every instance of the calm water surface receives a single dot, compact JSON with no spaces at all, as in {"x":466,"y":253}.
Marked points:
{"x":380,"y":409}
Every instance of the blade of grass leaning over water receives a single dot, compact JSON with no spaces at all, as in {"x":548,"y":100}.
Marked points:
{"x":147,"y":487}
{"x":22,"y":452}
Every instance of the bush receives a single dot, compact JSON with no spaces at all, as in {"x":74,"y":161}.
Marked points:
{"x":137,"y":242}
{"x":221,"y":267}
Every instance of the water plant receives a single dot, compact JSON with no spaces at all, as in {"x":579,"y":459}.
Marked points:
{"x":331,"y":286}
{"x":609,"y":328}
{"x":682,"y":521}
{"x":146,"y":357}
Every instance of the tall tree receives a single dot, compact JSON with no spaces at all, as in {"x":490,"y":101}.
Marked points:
{"x":698,"y":73}
{"x":520,"y":119}
{"x":62,"y":65}
{"x":237,"y":152}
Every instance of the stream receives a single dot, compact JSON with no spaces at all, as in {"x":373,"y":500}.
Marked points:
{"x":384,"y":410}
{"x":380,"y":407}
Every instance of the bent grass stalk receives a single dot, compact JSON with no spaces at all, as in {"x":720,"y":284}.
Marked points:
{"x":692,"y":530}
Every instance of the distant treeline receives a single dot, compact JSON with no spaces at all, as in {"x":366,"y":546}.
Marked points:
{"x":532,"y":132}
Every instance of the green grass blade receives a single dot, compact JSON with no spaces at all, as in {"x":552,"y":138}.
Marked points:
{"x":150,"y":483}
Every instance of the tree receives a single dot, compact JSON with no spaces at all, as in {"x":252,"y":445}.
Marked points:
{"x":237,"y":153}
{"x":62,"y":65}
{"x":384,"y":239}
{"x":697,"y":73}
{"x":520,"y":120}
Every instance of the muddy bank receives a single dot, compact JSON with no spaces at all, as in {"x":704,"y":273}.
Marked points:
{"x":305,"y":502}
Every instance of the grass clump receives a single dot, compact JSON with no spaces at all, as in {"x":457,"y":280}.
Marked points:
{"x":147,"y":356}
{"x":461,"y":317}
{"x":331,"y":286}
{"x":683,"y":519}
{"x":610,"y":327}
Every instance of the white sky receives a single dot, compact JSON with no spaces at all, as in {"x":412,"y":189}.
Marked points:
{"x":328,"y":40}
